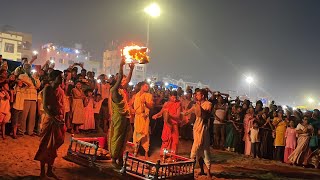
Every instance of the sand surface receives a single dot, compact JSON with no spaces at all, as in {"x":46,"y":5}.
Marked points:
{"x":16,"y":162}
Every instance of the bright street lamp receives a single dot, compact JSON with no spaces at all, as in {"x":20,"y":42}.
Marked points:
{"x":153,"y":10}
{"x":249,"y":79}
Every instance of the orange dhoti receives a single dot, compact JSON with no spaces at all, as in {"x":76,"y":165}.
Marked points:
{"x":170,"y":138}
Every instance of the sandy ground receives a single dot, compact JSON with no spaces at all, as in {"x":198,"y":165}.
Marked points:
{"x":16,"y":162}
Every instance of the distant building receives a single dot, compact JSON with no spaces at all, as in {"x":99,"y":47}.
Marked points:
{"x":111,"y":61}
{"x":63,"y":57}
{"x":184,"y":84}
{"x":15,"y":45}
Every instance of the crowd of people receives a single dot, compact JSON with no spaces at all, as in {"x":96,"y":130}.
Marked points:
{"x":31,"y":100}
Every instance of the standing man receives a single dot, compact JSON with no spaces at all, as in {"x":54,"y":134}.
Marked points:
{"x":143,"y":102}
{"x":201,"y":144}
{"x":120,"y":124}
{"x":53,"y":128}
{"x":29,"y":92}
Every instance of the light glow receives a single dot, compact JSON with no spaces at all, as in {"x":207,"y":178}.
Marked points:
{"x":249,"y":79}
{"x":310,"y":100}
{"x":153,"y":10}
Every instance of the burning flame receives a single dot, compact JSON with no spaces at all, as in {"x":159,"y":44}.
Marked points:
{"x":135,"y":54}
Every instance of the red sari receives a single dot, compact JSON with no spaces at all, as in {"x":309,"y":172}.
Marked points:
{"x":170,"y":132}
{"x":53,"y":128}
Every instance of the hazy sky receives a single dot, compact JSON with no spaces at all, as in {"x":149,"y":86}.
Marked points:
{"x":217,"y":42}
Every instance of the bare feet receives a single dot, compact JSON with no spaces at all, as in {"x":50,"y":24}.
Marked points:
{"x":52,"y":175}
{"x":43,"y":176}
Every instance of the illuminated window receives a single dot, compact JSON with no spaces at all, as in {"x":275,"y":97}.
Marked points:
{"x":8,"y":47}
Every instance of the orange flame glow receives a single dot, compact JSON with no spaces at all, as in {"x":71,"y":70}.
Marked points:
{"x":135,"y":54}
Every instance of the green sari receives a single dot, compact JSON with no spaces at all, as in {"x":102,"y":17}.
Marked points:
{"x":119,"y":129}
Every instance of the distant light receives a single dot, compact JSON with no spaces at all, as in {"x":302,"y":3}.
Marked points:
{"x":130,"y":83}
{"x":149,"y":80}
{"x":284,"y":107}
{"x":249,"y":79}
{"x":152,"y":85}
{"x":109,"y":75}
{"x":35,"y":52}
{"x":98,"y":81}
{"x":166,"y":84}
{"x":33,"y":71}
{"x":48,"y":50}
{"x":58,"y":52}
{"x":77,"y":51}
{"x":52,"y":61}
{"x":294,"y":108}
{"x":310,"y":100}
{"x":67,"y":54}
{"x":153,"y":10}
{"x":77,"y":56}
{"x":53,"y":47}
{"x":95,"y":78}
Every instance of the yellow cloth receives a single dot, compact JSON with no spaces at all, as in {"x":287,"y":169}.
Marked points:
{"x":141,"y":120}
{"x":30,"y":92}
{"x":280,"y":132}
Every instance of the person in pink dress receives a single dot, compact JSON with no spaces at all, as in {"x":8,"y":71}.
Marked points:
{"x":247,"y":124}
{"x":89,"y":122}
{"x":291,"y":141}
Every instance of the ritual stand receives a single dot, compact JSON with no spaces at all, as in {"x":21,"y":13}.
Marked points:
{"x":88,"y":152}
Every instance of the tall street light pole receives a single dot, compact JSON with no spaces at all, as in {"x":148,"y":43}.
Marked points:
{"x":153,"y":10}
{"x":249,"y":80}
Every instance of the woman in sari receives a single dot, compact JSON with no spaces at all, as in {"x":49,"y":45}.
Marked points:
{"x":279,"y":142}
{"x":247,"y":124}
{"x":300,"y":154}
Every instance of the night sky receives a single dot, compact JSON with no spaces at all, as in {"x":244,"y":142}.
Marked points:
{"x":216,"y":42}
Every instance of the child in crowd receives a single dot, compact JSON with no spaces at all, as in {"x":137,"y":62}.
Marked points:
{"x":88,"y":111}
{"x":18,"y":105}
{"x":5,"y":114}
{"x":97,"y":107}
{"x":78,"y":116}
{"x":254,"y":139}
{"x":291,"y":141}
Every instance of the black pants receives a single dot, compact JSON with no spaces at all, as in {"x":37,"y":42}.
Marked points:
{"x":279,"y":153}
{"x":255,"y":150}
{"x":97,"y":122}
